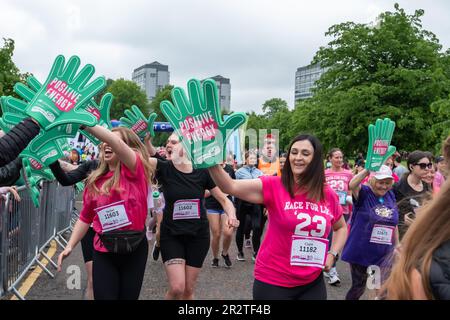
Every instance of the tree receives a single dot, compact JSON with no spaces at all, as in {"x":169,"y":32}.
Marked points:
{"x":9,"y":73}
{"x":395,"y":69}
{"x":163,"y":94}
{"x":273,"y":106}
{"x":126,"y":93}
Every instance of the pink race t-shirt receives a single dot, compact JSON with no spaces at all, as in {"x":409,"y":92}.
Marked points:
{"x":438,"y":181}
{"x":338,"y":181}
{"x":119,"y":210}
{"x":288,"y":219}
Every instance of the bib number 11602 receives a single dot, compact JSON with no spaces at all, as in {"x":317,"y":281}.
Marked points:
{"x":319,"y":231}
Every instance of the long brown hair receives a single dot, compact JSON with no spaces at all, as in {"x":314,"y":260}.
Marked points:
{"x":430,"y":229}
{"x":133,"y":141}
{"x":312,"y":179}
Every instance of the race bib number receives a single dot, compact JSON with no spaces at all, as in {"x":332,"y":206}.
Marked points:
{"x":308,"y":251}
{"x":186,"y":209}
{"x":342,"y":197}
{"x":382,"y":234}
{"x":113,"y":216}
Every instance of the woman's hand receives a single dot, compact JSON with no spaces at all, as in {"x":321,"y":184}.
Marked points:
{"x":13,"y":191}
{"x":63,"y":255}
{"x":233,"y":222}
{"x":329,"y":262}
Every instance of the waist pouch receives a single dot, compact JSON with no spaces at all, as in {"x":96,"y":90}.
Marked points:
{"x":122,"y":242}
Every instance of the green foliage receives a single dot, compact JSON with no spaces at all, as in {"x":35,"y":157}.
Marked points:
{"x":392,"y":70}
{"x":9,"y":73}
{"x":126,"y":93}
{"x":163,"y":94}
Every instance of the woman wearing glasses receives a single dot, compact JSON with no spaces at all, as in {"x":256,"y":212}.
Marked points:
{"x":411,"y":190}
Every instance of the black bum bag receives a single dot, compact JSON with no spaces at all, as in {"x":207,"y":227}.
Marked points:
{"x":122,"y":242}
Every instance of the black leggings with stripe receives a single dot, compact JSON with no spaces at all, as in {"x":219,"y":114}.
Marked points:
{"x":119,"y":276}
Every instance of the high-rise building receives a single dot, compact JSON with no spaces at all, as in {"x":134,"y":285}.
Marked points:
{"x":305,"y":79}
{"x":151,"y":77}
{"x":223,"y":84}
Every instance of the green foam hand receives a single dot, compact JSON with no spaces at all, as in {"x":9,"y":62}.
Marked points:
{"x":136,"y":121}
{"x":379,"y":148}
{"x":102,"y":113}
{"x":198,"y":122}
{"x":36,"y":169}
{"x":63,"y":96}
{"x":51,"y":151}
{"x":13,"y":113}
{"x":32,"y":187}
{"x":79,"y":186}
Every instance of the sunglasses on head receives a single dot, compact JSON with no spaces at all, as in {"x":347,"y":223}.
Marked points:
{"x":424,"y":166}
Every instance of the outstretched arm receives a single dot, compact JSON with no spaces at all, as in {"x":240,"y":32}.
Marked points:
{"x":249,"y":190}
{"x":121,"y":149}
{"x":16,"y":140}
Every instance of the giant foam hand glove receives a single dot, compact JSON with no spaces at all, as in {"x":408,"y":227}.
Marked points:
{"x":199,"y":123}
{"x":36,"y":169}
{"x":102,"y":113}
{"x":48,"y":153}
{"x":379,"y":148}
{"x":33,"y":188}
{"x":63,"y":96}
{"x":79,"y":186}
{"x":13,"y":113}
{"x":137,"y":122}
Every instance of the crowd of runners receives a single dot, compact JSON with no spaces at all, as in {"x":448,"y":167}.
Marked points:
{"x":285,"y":204}
{"x":300,"y":211}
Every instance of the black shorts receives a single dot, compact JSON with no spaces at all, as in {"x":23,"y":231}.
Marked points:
{"x":193,"y":249}
{"x":87,"y":245}
{"x":315,"y":290}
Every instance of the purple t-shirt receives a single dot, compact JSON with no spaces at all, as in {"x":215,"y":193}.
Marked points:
{"x":372,"y":232}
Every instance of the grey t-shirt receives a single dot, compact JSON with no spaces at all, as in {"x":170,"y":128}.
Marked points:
{"x":400,"y":171}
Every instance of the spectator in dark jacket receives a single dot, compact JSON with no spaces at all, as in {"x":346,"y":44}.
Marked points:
{"x":13,"y":143}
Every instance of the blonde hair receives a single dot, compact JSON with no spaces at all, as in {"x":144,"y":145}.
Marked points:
{"x":133,"y":141}
{"x":430,"y":229}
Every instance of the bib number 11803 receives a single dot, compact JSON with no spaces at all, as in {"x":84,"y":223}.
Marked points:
{"x":319,"y":231}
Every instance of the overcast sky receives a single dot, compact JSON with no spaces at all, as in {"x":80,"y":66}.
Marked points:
{"x":258,"y":44}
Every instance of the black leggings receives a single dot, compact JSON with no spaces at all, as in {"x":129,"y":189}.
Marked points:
{"x":312,"y":291}
{"x":119,"y":276}
{"x":87,"y":245}
{"x":255,"y":213}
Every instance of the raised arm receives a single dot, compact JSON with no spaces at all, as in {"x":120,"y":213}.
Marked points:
{"x":355,"y":183}
{"x":148,"y":144}
{"x":13,"y":143}
{"x":249,"y":190}
{"x":125,"y":154}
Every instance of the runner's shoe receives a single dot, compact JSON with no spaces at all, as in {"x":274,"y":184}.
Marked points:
{"x":334,"y":278}
{"x":227,"y":260}
{"x":240,"y":256}
{"x":215,"y":263}
{"x":248,"y":243}
{"x":155,"y":251}
{"x":254,"y":257}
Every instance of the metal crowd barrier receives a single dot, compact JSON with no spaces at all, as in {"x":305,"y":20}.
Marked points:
{"x":26,"y":232}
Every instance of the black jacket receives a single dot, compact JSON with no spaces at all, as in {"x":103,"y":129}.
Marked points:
{"x":13,"y":143}
{"x":74,"y":176}
{"x":440,"y":272}
{"x":10,"y":173}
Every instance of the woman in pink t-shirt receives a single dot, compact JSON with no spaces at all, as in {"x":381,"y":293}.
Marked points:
{"x":338,"y":179}
{"x":115,"y":202}
{"x":302,"y":210}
